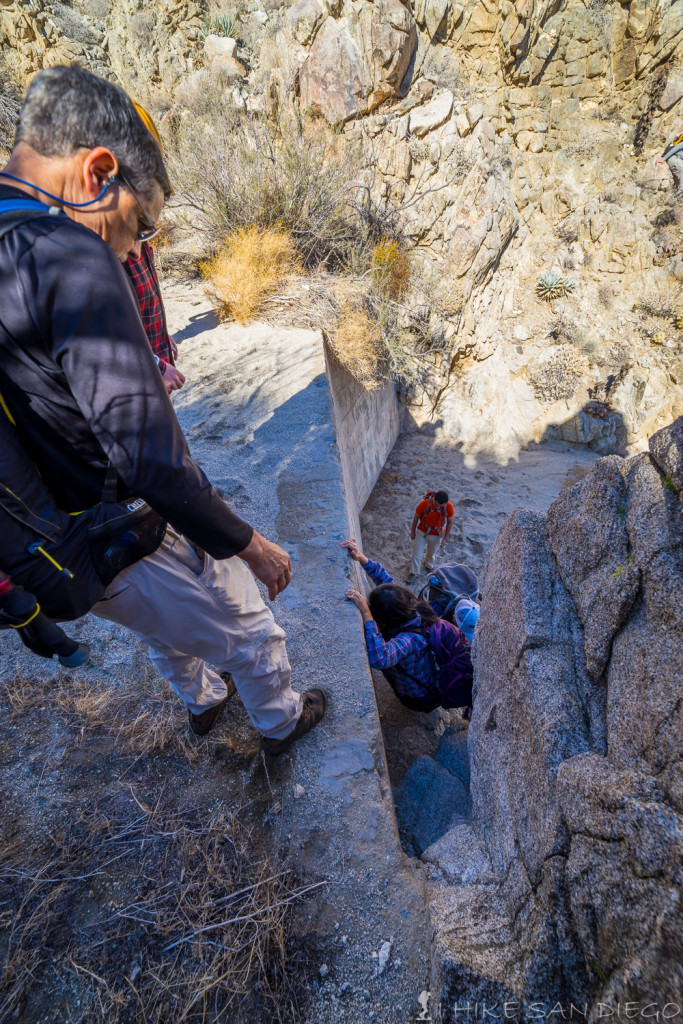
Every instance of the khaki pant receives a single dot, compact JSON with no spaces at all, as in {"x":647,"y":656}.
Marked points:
{"x":424,"y":543}
{"x":192,"y":610}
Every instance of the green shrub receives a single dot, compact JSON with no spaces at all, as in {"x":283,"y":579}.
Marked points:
{"x":232,"y":170}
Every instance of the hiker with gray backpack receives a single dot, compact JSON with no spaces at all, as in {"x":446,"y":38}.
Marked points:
{"x":425,"y":659}
{"x":453,"y":593}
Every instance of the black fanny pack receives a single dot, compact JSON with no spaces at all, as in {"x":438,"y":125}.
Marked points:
{"x":120,"y":533}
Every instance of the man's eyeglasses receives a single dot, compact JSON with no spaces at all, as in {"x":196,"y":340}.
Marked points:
{"x":149,"y":229}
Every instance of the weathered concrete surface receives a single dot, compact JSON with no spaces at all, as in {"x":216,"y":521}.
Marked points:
{"x":367,"y":425}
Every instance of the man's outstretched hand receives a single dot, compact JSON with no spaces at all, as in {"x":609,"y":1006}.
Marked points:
{"x":269,"y":563}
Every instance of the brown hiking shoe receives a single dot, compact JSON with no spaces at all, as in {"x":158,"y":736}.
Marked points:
{"x":202,"y":724}
{"x":315,"y":705}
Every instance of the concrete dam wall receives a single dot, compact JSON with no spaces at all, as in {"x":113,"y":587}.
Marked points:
{"x":367,"y":424}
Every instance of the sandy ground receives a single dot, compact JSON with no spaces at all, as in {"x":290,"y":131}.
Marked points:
{"x":484,"y":492}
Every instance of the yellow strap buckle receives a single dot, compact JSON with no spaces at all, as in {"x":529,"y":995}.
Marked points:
{"x":38,"y":546}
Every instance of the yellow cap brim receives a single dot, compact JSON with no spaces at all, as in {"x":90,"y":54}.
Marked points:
{"x":149,"y":125}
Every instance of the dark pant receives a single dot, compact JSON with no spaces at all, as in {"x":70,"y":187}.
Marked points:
{"x":425,"y":703}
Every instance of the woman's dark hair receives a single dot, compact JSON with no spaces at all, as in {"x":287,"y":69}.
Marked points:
{"x":392,"y":606}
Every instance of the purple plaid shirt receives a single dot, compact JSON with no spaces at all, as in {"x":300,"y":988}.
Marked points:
{"x":408,"y":654}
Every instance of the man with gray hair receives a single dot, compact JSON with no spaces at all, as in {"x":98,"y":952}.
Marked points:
{"x":79,"y":382}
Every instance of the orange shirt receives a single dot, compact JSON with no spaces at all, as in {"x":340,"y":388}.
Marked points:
{"x":432,"y":518}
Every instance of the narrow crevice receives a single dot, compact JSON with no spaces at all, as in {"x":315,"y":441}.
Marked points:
{"x":427,"y":754}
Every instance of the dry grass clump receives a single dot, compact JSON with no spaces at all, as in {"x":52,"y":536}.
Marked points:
{"x":10,"y":104}
{"x":72,"y":24}
{"x":559,"y":375}
{"x":357,"y":342}
{"x":249,"y":268}
{"x":606,"y":296}
{"x":9,"y":112}
{"x":142,"y":911}
{"x":659,"y":302}
{"x":371,"y":332}
{"x":377,"y":337}
{"x":390,"y":265}
{"x":143,"y":716}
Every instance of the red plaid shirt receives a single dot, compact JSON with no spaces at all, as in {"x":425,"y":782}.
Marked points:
{"x":143,"y":277}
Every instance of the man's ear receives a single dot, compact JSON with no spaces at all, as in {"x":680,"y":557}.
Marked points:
{"x":99,"y":166}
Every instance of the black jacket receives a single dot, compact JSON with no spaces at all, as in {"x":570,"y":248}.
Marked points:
{"x":79,"y":378}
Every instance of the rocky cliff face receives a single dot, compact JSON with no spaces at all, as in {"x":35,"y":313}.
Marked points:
{"x":519,"y":138}
{"x":564,"y":885}
{"x":147,"y":47}
{"x":515,"y":140}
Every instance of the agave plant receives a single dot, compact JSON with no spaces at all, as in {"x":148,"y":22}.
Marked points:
{"x":219,"y":25}
{"x":550,"y":285}
{"x":568,"y":285}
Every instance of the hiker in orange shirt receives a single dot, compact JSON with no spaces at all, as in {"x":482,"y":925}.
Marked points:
{"x":431,"y":525}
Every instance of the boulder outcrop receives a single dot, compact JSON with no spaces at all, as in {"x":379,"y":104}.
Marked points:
{"x":513,"y":139}
{"x":149,"y":48}
{"x":357,"y":61}
{"x":576,"y":756}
